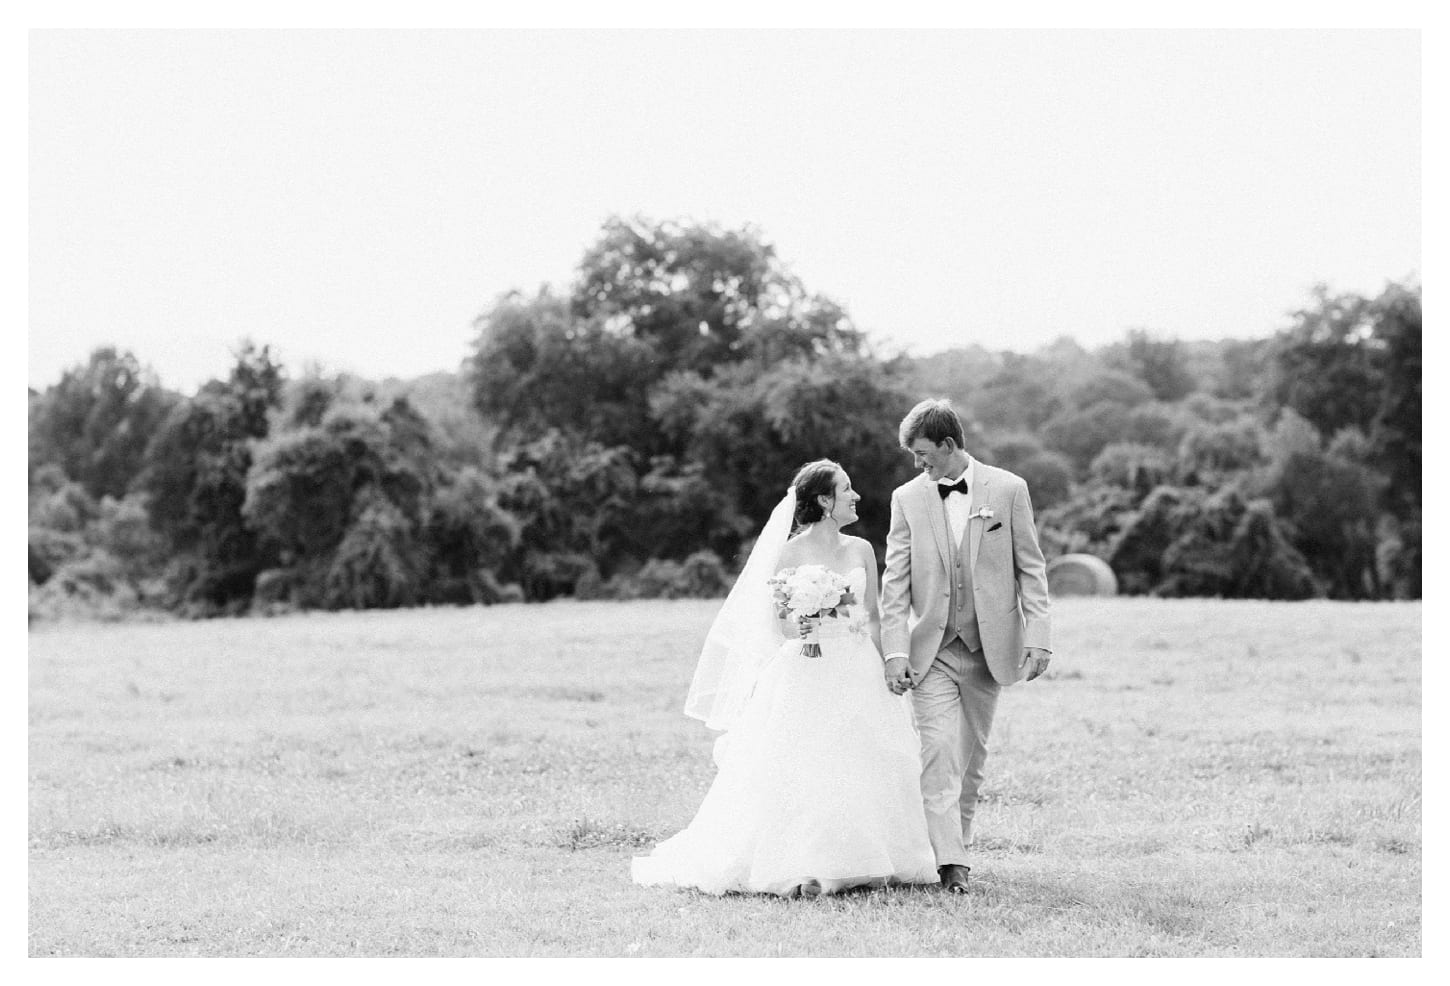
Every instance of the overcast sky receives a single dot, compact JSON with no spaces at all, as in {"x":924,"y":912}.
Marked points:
{"x":356,"y":199}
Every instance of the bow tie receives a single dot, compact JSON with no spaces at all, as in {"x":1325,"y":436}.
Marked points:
{"x":946,"y":489}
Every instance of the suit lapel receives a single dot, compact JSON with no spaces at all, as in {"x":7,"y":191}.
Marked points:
{"x":938,"y":518}
{"x":980,"y":494}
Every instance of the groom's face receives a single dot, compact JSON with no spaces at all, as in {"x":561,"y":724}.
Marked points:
{"x":931,"y":458}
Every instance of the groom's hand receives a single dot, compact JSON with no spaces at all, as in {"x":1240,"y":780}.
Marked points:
{"x":898,"y":676}
{"x":1035,"y":660}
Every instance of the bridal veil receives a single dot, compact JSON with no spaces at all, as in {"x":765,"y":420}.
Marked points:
{"x":744,"y":637}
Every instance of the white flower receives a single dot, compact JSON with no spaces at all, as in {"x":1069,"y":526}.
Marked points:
{"x":986,"y":513}
{"x":810,"y":590}
{"x":806,"y":600}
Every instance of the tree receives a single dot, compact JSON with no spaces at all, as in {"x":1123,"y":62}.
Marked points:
{"x":461,"y":437}
{"x":1292,"y":434}
{"x":1328,"y":365}
{"x":1137,"y":553}
{"x":1048,"y":476}
{"x":1330,"y":507}
{"x":1090,"y":521}
{"x":1139,"y":468}
{"x":751,"y":430}
{"x":60,"y":512}
{"x":343,"y":505}
{"x":1210,"y":453}
{"x":1110,"y":386}
{"x":1215,"y":410}
{"x":954,"y":373}
{"x":1397,"y":556}
{"x":1238,"y":368}
{"x":471,"y":538}
{"x":1158,"y":424}
{"x":96,"y":421}
{"x":1161,"y":364}
{"x":1081,"y":435}
{"x":1395,"y":430}
{"x":538,"y":366}
{"x":702,"y":297}
{"x":1020,"y":395}
{"x":1234,"y":548}
{"x":93,"y":558}
{"x":301,"y":488}
{"x":572,"y":502}
{"x":1009,"y":450}
{"x":1352,"y":367}
{"x":196,"y":478}
{"x":377,"y":564}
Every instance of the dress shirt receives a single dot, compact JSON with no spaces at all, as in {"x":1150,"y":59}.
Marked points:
{"x":959,"y":506}
{"x":958,"y":510}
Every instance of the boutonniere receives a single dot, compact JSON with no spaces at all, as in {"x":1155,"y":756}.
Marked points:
{"x":985,"y":513}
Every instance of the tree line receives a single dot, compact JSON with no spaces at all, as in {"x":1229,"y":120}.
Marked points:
{"x":625,"y":437}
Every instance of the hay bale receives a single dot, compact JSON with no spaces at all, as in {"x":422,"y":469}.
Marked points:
{"x":1081,"y":575}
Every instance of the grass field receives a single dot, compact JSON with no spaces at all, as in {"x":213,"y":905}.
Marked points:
{"x":1193,"y":778}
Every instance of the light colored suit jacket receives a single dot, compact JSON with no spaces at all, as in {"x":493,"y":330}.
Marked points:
{"x":1009,"y":574}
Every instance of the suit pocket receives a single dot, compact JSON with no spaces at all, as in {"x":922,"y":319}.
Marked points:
{"x":995,"y":527}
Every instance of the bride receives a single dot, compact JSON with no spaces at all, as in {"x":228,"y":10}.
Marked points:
{"x":818,"y":783}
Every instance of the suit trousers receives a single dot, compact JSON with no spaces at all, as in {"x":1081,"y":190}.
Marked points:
{"x":954,"y":703}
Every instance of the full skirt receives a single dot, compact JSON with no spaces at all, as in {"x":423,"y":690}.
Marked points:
{"x":818,"y":786}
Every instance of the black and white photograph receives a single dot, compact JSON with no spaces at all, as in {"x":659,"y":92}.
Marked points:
{"x":814,"y":491}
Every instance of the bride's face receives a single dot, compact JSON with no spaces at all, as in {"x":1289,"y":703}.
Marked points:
{"x":844,"y":510}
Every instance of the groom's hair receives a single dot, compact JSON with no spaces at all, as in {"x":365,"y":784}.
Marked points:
{"x":934,"y":420}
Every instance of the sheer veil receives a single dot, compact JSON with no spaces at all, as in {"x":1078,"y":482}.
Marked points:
{"x":744,"y":636}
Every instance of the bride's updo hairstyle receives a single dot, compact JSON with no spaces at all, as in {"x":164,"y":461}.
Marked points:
{"x":814,"y":480}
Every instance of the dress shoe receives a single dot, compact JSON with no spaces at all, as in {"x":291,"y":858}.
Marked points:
{"x":954,"y":877}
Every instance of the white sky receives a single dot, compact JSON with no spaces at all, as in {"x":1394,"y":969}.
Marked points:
{"x":357,"y":198}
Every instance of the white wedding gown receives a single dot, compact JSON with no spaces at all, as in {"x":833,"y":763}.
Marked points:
{"x":819,"y":782}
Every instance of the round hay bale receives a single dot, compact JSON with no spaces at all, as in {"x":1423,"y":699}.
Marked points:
{"x":1081,"y":575}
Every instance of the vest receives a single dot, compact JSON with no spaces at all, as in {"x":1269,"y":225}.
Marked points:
{"x":962,"y":614}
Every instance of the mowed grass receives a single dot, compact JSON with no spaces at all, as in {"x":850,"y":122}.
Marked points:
{"x":1193,"y":778}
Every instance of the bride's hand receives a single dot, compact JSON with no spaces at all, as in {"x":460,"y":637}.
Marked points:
{"x":806,"y":625}
{"x":898,"y":676}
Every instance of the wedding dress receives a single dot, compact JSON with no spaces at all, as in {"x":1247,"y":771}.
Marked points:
{"x":818,"y":784}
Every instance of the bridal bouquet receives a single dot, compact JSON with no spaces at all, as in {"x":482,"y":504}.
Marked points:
{"x":810,"y":591}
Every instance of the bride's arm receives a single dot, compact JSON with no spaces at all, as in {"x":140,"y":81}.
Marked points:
{"x":788,"y":628}
{"x":873,"y":578}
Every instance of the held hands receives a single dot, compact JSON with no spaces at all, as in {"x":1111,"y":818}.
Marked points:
{"x":898,"y":676}
{"x":806,"y":625}
{"x":1035,"y":660}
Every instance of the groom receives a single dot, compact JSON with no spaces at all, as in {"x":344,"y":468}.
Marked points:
{"x":962,"y":557}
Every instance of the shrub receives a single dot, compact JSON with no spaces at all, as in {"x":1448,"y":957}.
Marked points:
{"x":1160,"y":425}
{"x":92,"y":587}
{"x":547,"y":574}
{"x":1081,"y":435}
{"x":1049,"y":478}
{"x":590,"y":586}
{"x":276,"y":588}
{"x":703,"y":576}
{"x":1210,"y":451}
{"x":700,"y":576}
{"x":1131,"y":466}
{"x":1235,"y":549}
{"x":376,"y":564}
{"x":1011,"y":450}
